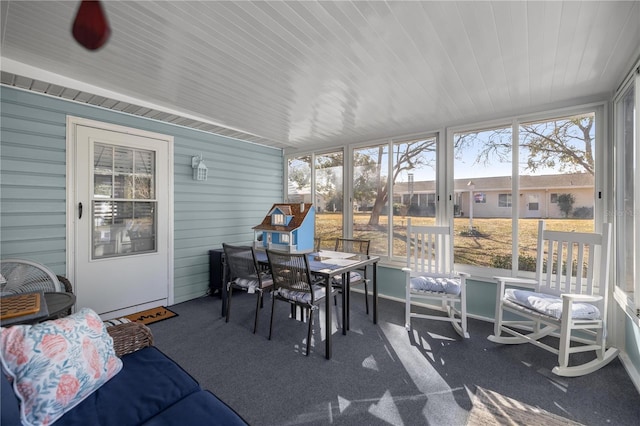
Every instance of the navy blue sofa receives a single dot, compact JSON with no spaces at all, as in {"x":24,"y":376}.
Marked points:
{"x":151,"y":389}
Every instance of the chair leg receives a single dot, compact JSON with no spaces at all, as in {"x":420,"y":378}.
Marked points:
{"x":366,"y":296}
{"x":310,"y":320}
{"x":258,"y":305}
{"x":229,"y":292}
{"x":273,"y":301}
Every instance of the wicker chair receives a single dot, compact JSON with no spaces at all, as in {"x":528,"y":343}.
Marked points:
{"x":292,"y":284}
{"x":245,"y":274}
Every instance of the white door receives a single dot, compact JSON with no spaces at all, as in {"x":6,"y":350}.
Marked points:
{"x":533,"y":205}
{"x":123,"y":248}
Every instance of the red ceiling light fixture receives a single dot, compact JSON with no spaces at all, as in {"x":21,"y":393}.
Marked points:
{"x":91,"y":28}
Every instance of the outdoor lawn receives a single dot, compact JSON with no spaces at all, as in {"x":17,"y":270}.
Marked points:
{"x":488,"y":246}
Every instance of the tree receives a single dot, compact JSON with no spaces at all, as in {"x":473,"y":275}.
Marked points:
{"x":565,"y":145}
{"x":369,"y":184}
{"x":565,"y":203}
{"x":300,"y":171}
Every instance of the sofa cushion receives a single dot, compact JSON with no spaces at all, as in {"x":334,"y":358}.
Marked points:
{"x":56,"y":364}
{"x":10,"y":409}
{"x":203,"y":408}
{"x":150,"y":382}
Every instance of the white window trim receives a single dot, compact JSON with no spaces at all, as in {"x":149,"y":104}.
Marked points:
{"x":630,"y":301}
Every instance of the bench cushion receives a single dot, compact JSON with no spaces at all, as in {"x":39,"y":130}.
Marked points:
{"x":550,"y":305}
{"x":200,"y":408}
{"x":149,"y":383}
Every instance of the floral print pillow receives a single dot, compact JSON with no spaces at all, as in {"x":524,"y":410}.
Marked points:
{"x":56,"y":364}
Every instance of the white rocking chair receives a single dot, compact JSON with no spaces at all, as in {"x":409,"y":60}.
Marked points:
{"x":430,"y":277}
{"x":570,"y":298}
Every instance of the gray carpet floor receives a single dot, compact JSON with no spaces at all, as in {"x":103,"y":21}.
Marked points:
{"x":379,"y":374}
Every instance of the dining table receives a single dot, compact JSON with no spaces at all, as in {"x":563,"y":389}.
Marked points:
{"x":326,"y":264}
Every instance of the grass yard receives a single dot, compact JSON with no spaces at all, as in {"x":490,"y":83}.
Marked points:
{"x":491,"y":241}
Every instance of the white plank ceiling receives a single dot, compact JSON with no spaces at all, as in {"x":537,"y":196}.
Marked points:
{"x":297,"y":75}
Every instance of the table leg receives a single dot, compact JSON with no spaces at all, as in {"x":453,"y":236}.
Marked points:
{"x":375,"y":293}
{"x":347,"y":290}
{"x":344,"y":305}
{"x":327,"y":321}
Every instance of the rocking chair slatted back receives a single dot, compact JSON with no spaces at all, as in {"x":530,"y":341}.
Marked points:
{"x":429,"y":250}
{"x":569,"y":262}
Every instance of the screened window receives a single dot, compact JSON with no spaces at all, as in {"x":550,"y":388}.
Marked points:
{"x":414,"y":180}
{"x":329,"y":195}
{"x":370,"y":196}
{"x":482,"y":171}
{"x":627,"y":187}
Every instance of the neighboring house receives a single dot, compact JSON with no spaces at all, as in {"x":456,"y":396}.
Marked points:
{"x":289,"y":227}
{"x":492,"y":196}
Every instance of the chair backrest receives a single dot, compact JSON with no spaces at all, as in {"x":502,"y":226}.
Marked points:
{"x":22,"y":276}
{"x":290,"y":271}
{"x":348,"y":245}
{"x":241,"y":261}
{"x":429,"y":249}
{"x":573,"y":262}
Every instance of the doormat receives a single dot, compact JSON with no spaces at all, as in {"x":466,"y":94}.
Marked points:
{"x":491,"y":408}
{"x":152,"y":315}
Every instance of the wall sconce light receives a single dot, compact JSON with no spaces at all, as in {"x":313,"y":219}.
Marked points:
{"x":199,"y":168}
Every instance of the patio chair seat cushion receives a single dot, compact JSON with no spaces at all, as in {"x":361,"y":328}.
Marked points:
{"x":302,"y":296}
{"x":252,"y":284}
{"x":435,"y":285}
{"x":354,"y":277}
{"x":550,"y":305}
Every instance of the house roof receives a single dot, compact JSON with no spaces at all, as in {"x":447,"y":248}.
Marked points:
{"x":567,"y":180}
{"x":289,"y":209}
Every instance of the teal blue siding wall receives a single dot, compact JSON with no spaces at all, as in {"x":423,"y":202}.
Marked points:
{"x":244,"y":180}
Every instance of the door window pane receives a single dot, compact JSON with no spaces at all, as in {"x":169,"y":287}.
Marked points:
{"x":123,"y":225}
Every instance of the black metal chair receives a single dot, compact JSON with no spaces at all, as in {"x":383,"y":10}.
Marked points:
{"x":246,"y":275}
{"x":356,"y":277}
{"x":292,"y":284}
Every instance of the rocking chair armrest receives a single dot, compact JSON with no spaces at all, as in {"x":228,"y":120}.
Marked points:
{"x":581,"y":297}
{"x":524,"y":282}
{"x":503,"y":281}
